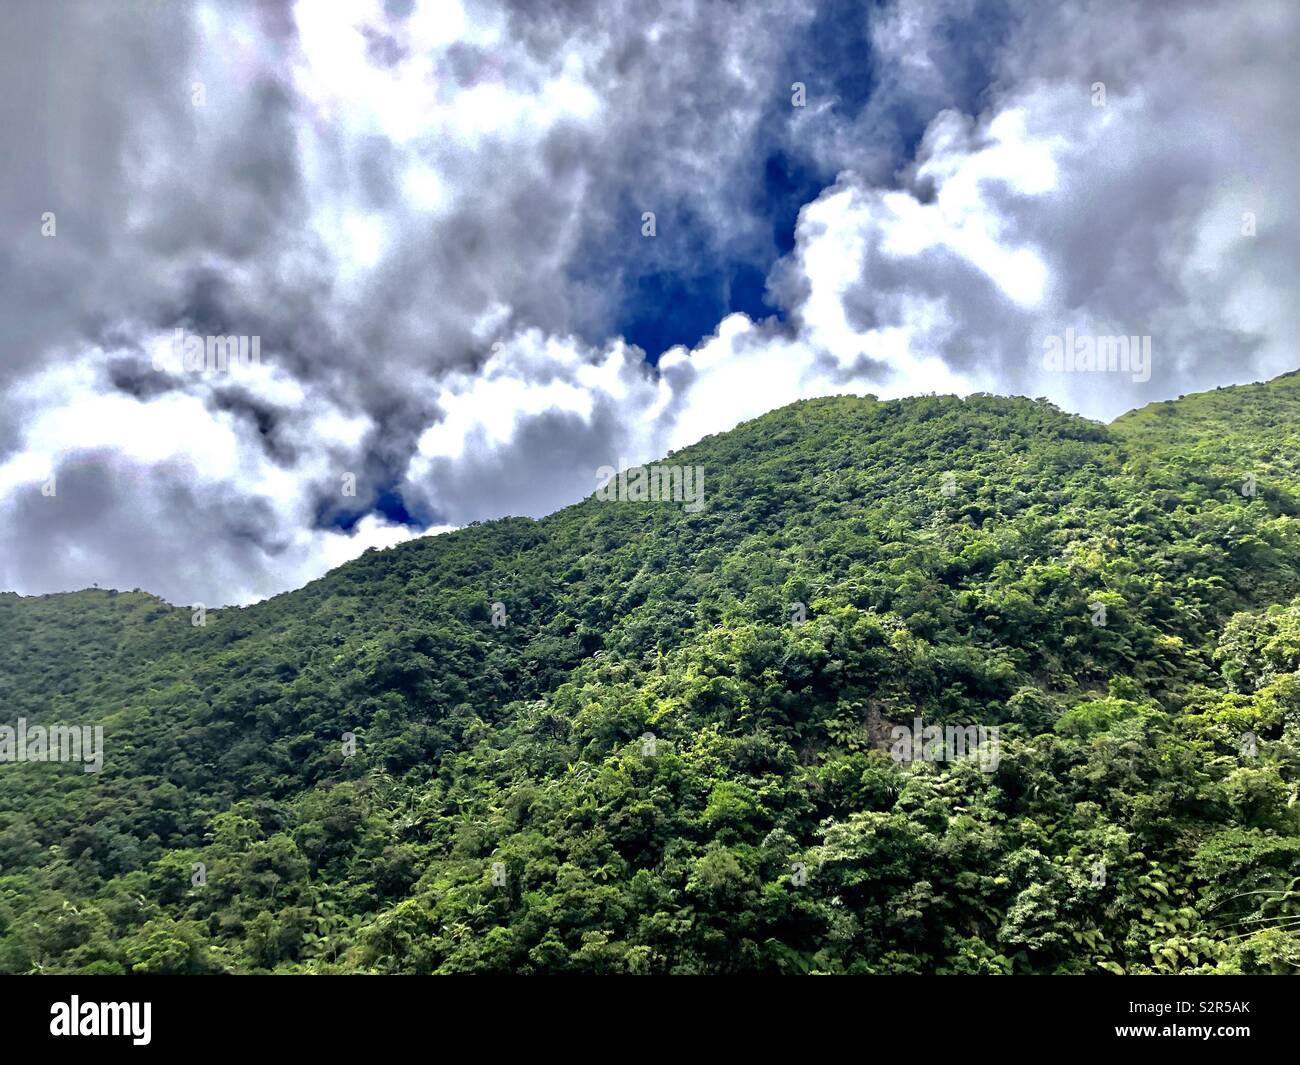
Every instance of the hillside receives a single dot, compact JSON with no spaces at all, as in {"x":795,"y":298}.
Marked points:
{"x":651,"y":767}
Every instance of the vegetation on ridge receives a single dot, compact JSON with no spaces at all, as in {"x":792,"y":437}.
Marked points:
{"x":652,"y":768}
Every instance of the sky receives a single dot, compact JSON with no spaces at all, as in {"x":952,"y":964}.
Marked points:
{"x":485,"y":249}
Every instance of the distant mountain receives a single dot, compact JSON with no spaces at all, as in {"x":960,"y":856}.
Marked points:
{"x":634,"y":738}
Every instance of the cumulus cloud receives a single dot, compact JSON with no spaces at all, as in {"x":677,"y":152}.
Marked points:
{"x":430,"y":213}
{"x":198,"y":493}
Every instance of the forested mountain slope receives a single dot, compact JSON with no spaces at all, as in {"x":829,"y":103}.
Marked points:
{"x":654,"y":767}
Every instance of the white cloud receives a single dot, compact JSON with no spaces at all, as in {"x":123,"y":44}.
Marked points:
{"x":420,"y":216}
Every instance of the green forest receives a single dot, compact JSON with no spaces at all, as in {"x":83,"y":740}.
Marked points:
{"x":626,"y":738}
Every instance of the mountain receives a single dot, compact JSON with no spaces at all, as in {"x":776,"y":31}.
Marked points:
{"x":629,"y":738}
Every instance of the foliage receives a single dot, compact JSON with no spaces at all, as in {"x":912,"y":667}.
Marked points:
{"x":504,"y":813}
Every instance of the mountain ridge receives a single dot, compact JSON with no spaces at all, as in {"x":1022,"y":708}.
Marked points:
{"x":1130,"y":417}
{"x":950,"y":557}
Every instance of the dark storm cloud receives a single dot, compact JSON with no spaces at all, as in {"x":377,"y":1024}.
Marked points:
{"x":125,"y":504}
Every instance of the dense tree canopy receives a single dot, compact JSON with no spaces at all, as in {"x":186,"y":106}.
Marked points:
{"x":673,"y":757}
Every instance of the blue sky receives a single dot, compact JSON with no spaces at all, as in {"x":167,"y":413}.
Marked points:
{"x":702,"y":280}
